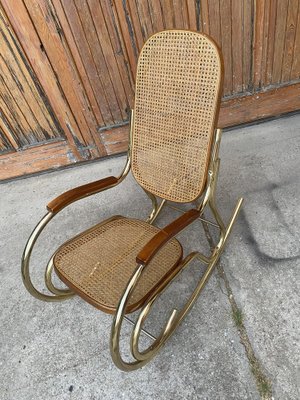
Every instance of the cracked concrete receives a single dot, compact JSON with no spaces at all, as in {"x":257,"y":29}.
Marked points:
{"x":60,"y":351}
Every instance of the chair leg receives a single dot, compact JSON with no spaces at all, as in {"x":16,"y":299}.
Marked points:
{"x":176,"y":317}
{"x":49,"y":284}
{"x":59,"y":294}
{"x":143,"y":357}
{"x":155,"y":212}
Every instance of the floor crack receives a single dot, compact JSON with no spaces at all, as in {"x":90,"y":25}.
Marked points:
{"x":262,"y":382}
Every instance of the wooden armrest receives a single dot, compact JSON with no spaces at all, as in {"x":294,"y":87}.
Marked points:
{"x":80,"y":192}
{"x":162,"y":237}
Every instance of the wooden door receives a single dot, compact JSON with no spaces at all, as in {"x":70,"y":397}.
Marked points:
{"x":43,"y":123}
{"x":77,"y":60}
{"x":27,"y":120}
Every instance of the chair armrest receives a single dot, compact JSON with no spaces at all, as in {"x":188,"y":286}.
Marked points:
{"x":162,"y":237}
{"x":80,"y":192}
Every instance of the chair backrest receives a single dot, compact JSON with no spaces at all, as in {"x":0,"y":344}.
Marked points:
{"x":177,"y":97}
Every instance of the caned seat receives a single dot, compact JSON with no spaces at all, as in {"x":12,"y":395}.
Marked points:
{"x":98,"y":263}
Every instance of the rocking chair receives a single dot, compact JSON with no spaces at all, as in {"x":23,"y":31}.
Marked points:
{"x":123,"y":264}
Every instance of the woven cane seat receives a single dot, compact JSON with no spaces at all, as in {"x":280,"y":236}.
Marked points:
{"x":98,"y":263}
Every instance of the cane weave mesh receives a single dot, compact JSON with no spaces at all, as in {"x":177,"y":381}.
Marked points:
{"x":176,"y":101}
{"x":99,"y":262}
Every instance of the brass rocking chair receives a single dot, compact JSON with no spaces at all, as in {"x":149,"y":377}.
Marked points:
{"x":123,"y":264}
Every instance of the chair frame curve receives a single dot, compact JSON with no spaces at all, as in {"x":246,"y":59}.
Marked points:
{"x":141,"y":358}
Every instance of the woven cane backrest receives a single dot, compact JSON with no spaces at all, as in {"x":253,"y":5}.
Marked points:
{"x":176,"y":102}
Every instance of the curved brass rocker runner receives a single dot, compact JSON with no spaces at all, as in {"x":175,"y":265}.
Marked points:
{"x":123,"y":264}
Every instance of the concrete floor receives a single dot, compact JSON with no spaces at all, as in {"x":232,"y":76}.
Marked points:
{"x":60,"y":351}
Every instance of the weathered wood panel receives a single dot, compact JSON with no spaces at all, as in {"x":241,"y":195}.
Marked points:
{"x":221,"y":19}
{"x":95,"y":59}
{"x":5,"y":145}
{"x":295,"y":70}
{"x":262,"y":105}
{"x":83,"y":56}
{"x":26,"y":115}
{"x":276,"y":43}
{"x":32,"y":160}
{"x":50,"y":32}
{"x":9,"y":135}
{"x":19,"y":81}
{"x":32,"y":49}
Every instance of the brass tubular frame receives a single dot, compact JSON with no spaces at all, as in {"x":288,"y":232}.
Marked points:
{"x":154,"y":205}
{"x":141,"y":358}
{"x":48,"y":280}
{"x":155,"y":213}
{"x":173,"y":322}
{"x":60,"y":295}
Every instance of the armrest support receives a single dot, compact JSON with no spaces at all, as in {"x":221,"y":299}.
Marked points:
{"x":162,"y":237}
{"x":80,"y":192}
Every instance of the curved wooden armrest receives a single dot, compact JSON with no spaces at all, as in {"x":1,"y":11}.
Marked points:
{"x":80,"y":192}
{"x":162,"y":237}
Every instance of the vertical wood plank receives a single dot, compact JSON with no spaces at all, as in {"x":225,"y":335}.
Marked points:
{"x":177,"y":6}
{"x":193,"y":17}
{"x":144,"y":18}
{"x":156,"y":15}
{"x":55,"y":46}
{"x":14,"y":130}
{"x":22,"y":94}
{"x":168,"y":13}
{"x":102,"y":70}
{"x":21,"y":107}
{"x":104,"y":40}
{"x":96,"y":67}
{"x":5,"y":146}
{"x":258,"y":42}
{"x":119,"y":50}
{"x":247,"y":43}
{"x":88,"y":59}
{"x":290,"y":34}
{"x":237,"y":48}
{"x":31,"y":44}
{"x":8,"y":132}
{"x":282,"y":9}
{"x":186,"y":19}
{"x":265,"y":42}
{"x":85,"y":53}
{"x":225,"y":7}
{"x":136,"y":24}
{"x":9,"y":109}
{"x":125,"y":27}
{"x":270,"y":33}
{"x":215,"y":20}
{"x":20,"y":73}
{"x":205,"y":22}
{"x":295,"y":72}
{"x":75,"y":52}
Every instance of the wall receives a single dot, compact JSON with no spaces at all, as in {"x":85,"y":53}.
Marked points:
{"x":68,"y":67}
